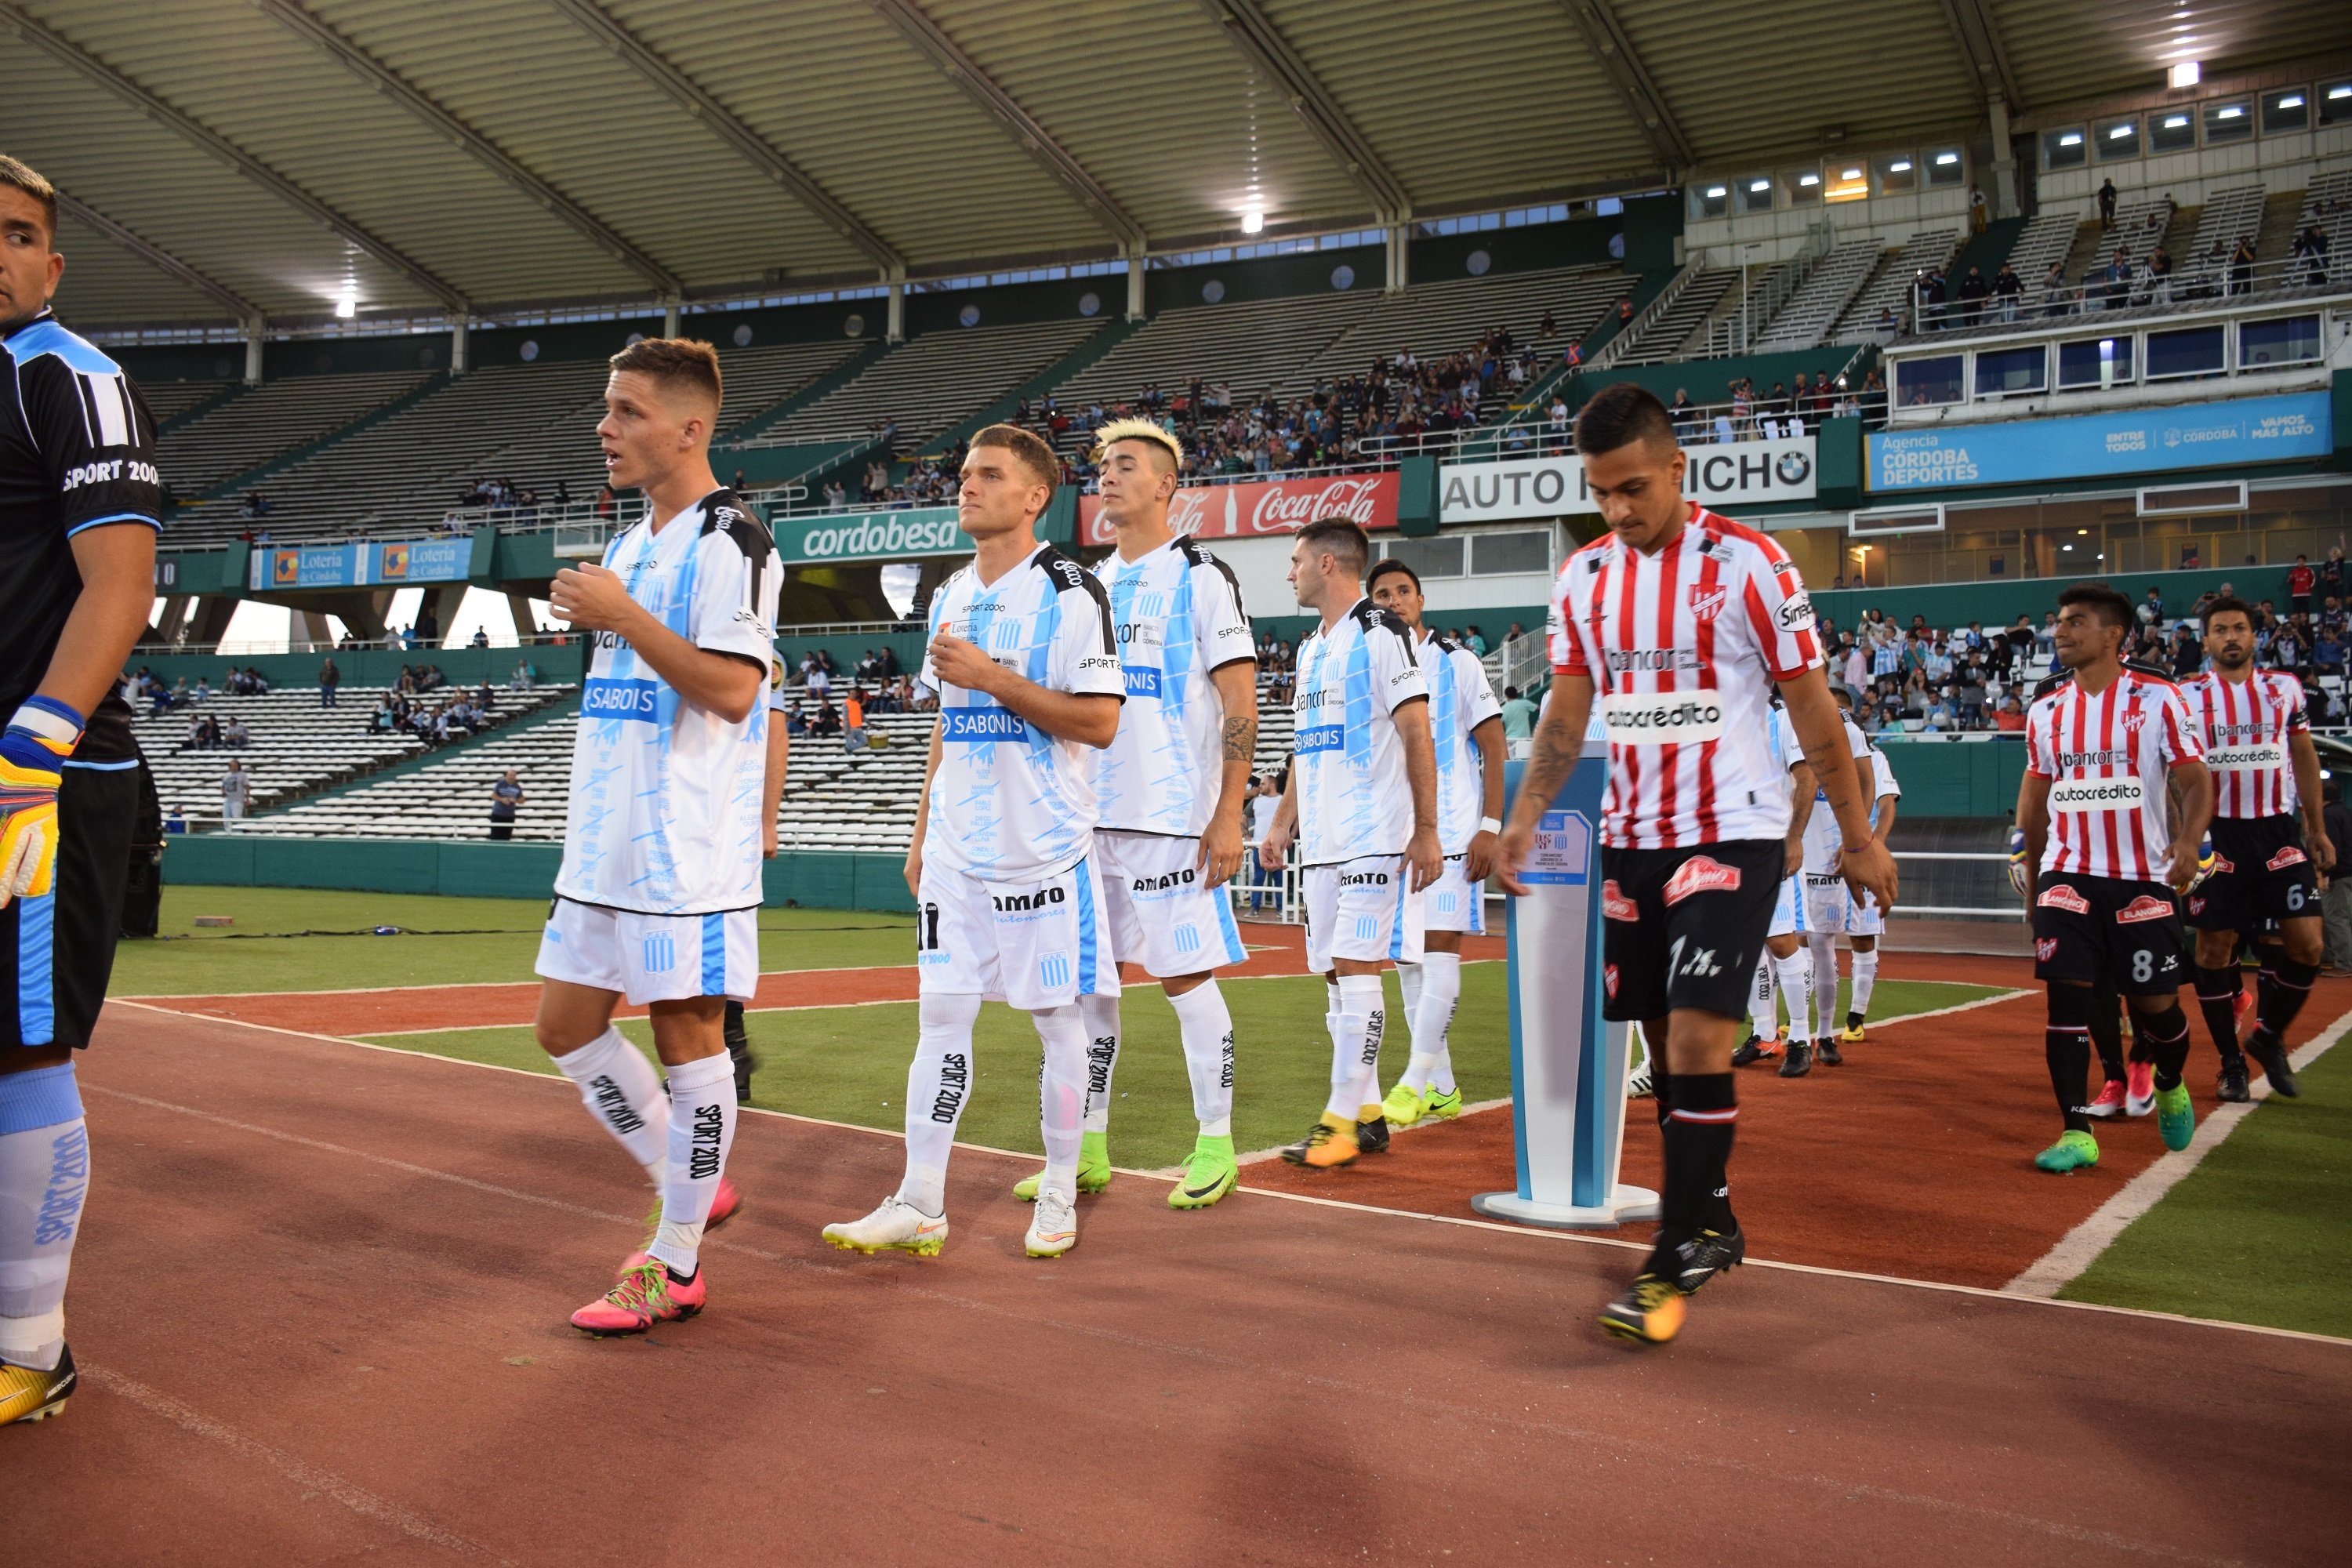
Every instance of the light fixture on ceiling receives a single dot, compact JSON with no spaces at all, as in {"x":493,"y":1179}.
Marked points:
{"x":1252,"y":221}
{"x":2121,"y":133}
{"x":2184,"y":73}
{"x":1760,"y":185}
{"x":1809,"y":179}
{"x":1900,"y":166}
{"x":2175,"y":122}
{"x":2232,"y":112}
{"x":2335,"y":93}
{"x":2071,"y":138}
{"x":1946,"y":160}
{"x":2292,"y":100}
{"x":1717,"y":193}
{"x":347,"y":305}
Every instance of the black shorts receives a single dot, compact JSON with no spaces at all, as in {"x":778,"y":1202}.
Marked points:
{"x":2261,"y":875}
{"x":1681,"y":928}
{"x":57,"y":951}
{"x":2093,"y":929}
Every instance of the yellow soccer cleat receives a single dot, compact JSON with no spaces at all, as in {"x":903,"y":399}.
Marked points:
{"x":28,"y":1393}
{"x":1851,"y":1035}
{"x":1650,"y":1313}
{"x":1402,"y":1107}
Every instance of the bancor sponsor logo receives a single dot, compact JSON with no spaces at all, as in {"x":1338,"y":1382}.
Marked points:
{"x":1726,"y":475}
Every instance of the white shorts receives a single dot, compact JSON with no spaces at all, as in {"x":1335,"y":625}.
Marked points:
{"x":1823,"y":905}
{"x":1453,"y":902}
{"x":1163,"y":913}
{"x":652,"y":958}
{"x":1863,"y":915}
{"x":1031,"y":944}
{"x":1784,"y":910}
{"x":1362,"y":910}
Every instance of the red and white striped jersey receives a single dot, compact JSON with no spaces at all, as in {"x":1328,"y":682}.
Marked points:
{"x":2244,"y":726}
{"x":2106,"y":758}
{"x":1683,"y":648}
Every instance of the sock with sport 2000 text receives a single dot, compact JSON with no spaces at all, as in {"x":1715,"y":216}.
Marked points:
{"x":2167,"y":1034}
{"x":2217,"y":991}
{"x":1061,"y":1093}
{"x":1356,"y":1026}
{"x":2066,"y":1043}
{"x":624,"y":1093}
{"x":1100,"y":1016}
{"x":1820,"y":948}
{"x":44,"y":1177}
{"x":1699,"y":1135}
{"x":1866,"y":980}
{"x":1795,"y":975}
{"x":701,"y":1131}
{"x":939,"y":1081}
{"x":1431,"y":1014}
{"x":1761,"y":1018}
{"x":1205,"y":1025}
{"x":2290,"y":989}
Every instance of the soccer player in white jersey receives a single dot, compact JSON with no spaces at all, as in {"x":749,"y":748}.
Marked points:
{"x":1824,"y":905}
{"x":1465,"y":733}
{"x":1362,"y":803}
{"x":1783,"y":965}
{"x":1008,"y":895}
{"x":658,"y":897}
{"x":2270,"y":847}
{"x":2104,"y":755}
{"x":1172,"y":790}
{"x":1865,"y":922}
{"x":1681,"y":622}
{"x":772,"y":796}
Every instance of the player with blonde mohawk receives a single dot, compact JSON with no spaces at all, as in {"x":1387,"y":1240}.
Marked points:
{"x":1172,"y":790}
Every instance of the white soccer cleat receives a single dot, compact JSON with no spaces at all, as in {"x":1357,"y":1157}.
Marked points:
{"x":1053,"y":1226}
{"x":895,"y":1225}
{"x":1637,"y":1082}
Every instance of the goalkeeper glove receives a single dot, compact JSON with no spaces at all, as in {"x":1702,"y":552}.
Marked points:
{"x":32,"y":749}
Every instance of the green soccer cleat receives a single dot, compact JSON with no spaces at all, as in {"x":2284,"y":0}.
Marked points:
{"x":1403,"y":1106}
{"x":2074,"y":1150}
{"x":1209,"y":1175}
{"x":2175,"y":1117}
{"x":1441,"y":1104}
{"x":1094,"y":1168}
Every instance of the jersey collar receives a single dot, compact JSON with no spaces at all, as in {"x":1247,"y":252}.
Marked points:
{"x":45,"y":313}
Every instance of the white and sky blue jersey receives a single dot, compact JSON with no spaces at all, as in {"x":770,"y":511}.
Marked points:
{"x":665,"y":810}
{"x":1177,"y":614}
{"x":1011,"y":802}
{"x":1460,"y":700}
{"x":1348,"y":765}
{"x":1822,"y":837}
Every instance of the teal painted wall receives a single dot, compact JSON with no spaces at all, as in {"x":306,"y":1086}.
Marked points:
{"x":369,"y":666}
{"x":2001,"y":602}
{"x":1958,"y":778}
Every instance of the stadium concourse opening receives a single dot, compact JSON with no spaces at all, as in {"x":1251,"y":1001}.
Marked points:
{"x":544,"y":663}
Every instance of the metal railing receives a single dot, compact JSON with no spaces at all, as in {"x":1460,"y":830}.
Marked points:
{"x":1627,"y":335}
{"x":2207,"y":281}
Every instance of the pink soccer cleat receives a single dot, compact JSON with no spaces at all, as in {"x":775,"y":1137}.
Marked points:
{"x":646,"y":1295}
{"x":2139,"y":1092}
{"x":2110,"y":1099}
{"x":724,"y":1206}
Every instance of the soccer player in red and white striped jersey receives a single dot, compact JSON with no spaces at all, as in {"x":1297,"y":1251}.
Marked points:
{"x":2267,"y":863}
{"x":1678,"y":623}
{"x":2105,"y":853}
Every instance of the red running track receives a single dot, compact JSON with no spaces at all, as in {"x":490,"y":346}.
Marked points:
{"x":322,"y":1298}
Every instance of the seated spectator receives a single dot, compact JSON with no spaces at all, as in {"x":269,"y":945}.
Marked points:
{"x":524,"y":677}
{"x":796,"y":721}
{"x":174,"y":819}
{"x":827,"y":721}
{"x":235,"y":735}
{"x":2011,"y":717}
{"x":1940,"y":714}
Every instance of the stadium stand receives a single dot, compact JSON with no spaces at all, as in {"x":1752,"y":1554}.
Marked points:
{"x":1664,"y":336}
{"x":168,"y":400}
{"x":2044,"y":239}
{"x":2327,"y":204}
{"x":757,"y":379}
{"x":1890,"y":288}
{"x":296,"y":747}
{"x":248,"y":431}
{"x":1822,"y":299}
{"x":2228,"y":217}
{"x":933,"y":381}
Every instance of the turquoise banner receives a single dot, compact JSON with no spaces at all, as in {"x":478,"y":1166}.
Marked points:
{"x":2089,"y":446}
{"x":870,"y":536}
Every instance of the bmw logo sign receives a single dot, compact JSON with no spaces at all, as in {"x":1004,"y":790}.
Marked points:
{"x":1794,"y":468}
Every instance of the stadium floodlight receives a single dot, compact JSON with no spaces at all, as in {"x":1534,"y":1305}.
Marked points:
{"x":2071,"y":138}
{"x":2120,"y":132}
{"x":2335,"y":93}
{"x":1900,"y":166}
{"x":1944,"y":160}
{"x":1252,"y":221}
{"x":2292,"y":100}
{"x":2175,"y":122}
{"x":1717,"y":193}
{"x":1760,"y":185}
{"x":1809,"y":179}
{"x":2184,"y":73}
{"x":2232,"y":112}
{"x":347,"y":305}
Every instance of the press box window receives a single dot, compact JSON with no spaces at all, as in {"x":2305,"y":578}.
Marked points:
{"x":2199,"y":350}
{"x":1427,"y":557}
{"x":1801,"y":187}
{"x":1945,"y":167}
{"x":2334,"y":102}
{"x":2287,"y":109}
{"x":2117,"y":139}
{"x":1756,"y":194}
{"x":2006,"y":372}
{"x":1923,"y":383}
{"x":2063,"y":149}
{"x":1509,"y":555}
{"x":1898,"y":175}
{"x":2232,"y":121}
{"x":2171,"y":131}
{"x":2093,"y":362}
{"x":1711,"y":201}
{"x":2266,"y":346}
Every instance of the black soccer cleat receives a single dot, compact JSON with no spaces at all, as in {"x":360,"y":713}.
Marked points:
{"x":1826,"y":1052}
{"x":2231,"y":1088}
{"x":2265,"y":1048}
{"x":1798,"y":1060}
{"x":738,"y":1050}
{"x":1372,"y":1137}
{"x":1748,"y":1050}
{"x":1707,"y":1255}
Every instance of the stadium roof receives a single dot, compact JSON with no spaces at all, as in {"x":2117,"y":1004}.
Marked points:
{"x":226,"y":156}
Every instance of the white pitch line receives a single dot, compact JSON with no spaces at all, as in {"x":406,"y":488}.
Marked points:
{"x":2080,"y":1246}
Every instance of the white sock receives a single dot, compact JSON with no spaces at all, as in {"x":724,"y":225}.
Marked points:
{"x":1061,"y":1094}
{"x":1409,"y":978}
{"x":701,"y":1131}
{"x":1441,"y":993}
{"x":1100,"y":1018}
{"x":1795,"y":975}
{"x":44,"y":1179}
{"x":1354,"y":1042}
{"x":622,"y":1091}
{"x":939,"y":1081}
{"x":1761,"y":1019}
{"x":1865,"y":977}
{"x":1823,"y":946}
{"x":1206,"y":1027}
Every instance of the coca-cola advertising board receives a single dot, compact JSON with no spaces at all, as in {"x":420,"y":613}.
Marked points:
{"x":1265,"y":506}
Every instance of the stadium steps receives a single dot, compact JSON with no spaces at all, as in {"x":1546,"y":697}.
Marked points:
{"x":1890,"y":288}
{"x":2333,"y":190}
{"x":176,"y":402}
{"x":936,"y":380}
{"x":1987,"y":251}
{"x":279,"y":463}
{"x":281,"y":420}
{"x":831,"y":381}
{"x":1528,"y":409}
{"x":1037,"y":386}
{"x":2282,"y":215}
{"x":548,"y":704}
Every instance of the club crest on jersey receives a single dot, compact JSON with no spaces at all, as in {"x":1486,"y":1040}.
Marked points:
{"x":1701,"y":874}
{"x":2197,"y":905}
{"x":1615,"y":905}
{"x":2059,"y":896}
{"x":1609,"y":978}
{"x":2147,"y":907}
{"x":2133,"y":723}
{"x":2289,"y":856}
{"x":1707,"y":603}
{"x":2045,"y":948}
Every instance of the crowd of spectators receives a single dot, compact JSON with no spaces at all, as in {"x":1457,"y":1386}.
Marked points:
{"x":144,"y":687}
{"x":406,"y":710}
